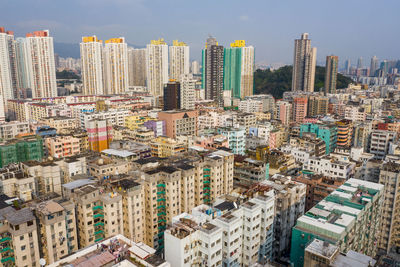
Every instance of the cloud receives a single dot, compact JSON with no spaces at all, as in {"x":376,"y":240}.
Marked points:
{"x":244,"y":18}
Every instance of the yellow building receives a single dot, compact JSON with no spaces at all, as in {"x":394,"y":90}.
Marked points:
{"x":163,"y":147}
{"x":134,"y":122}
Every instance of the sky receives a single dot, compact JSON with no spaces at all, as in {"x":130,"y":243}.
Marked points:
{"x":346,"y":28}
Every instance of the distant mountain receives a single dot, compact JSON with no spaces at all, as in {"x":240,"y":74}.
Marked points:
{"x":67,"y":50}
{"x":72,"y":50}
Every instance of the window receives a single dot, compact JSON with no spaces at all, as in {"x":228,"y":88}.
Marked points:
{"x":23,"y":247}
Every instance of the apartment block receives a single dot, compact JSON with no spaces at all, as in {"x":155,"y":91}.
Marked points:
{"x":236,"y":138}
{"x":62,"y":124}
{"x":62,"y":146}
{"x":331,"y":166}
{"x":20,"y":150}
{"x":163,"y":146}
{"x":179,"y":122}
{"x":379,"y":142}
{"x":328,"y":133}
{"x":99,"y":134}
{"x":17,"y":183}
{"x":350,"y":218}
{"x":344,"y":133}
{"x":12,"y":129}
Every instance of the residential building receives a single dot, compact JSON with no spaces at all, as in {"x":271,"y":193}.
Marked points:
{"x":328,"y":133}
{"x":284,"y":112}
{"x":299,"y":109}
{"x":92,"y":65}
{"x":137,"y":66}
{"x":163,"y":146}
{"x":245,"y":120}
{"x":157,"y":66}
{"x":331,"y":166}
{"x":247,"y":171}
{"x":350,"y":218}
{"x":17,"y":183}
{"x":304,"y":63}
{"x":236,"y":138}
{"x":116,"y":66}
{"x":19,"y":237}
{"x":62,"y":146}
{"x":317,"y":105}
{"x":213,"y":71}
{"x":290,"y":200}
{"x":187,"y":90}
{"x":41,"y":64}
{"x":61,"y":124}
{"x":389,"y":240}
{"x":115,"y":117}
{"x":344,"y":133}
{"x":99,"y":134}
{"x":331,"y":69}
{"x":379,"y":142}
{"x":157,"y":126}
{"x":239,"y":69}
{"x":12,"y":129}
{"x":178,"y":60}
{"x":179,"y":122}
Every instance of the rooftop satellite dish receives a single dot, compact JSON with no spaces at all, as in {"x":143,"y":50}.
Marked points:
{"x":42,"y":262}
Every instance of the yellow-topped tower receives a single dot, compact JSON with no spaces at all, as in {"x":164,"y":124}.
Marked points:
{"x":89,"y":39}
{"x":238,"y":43}
{"x":115,"y":40}
{"x":177,"y":43}
{"x":158,"y":42}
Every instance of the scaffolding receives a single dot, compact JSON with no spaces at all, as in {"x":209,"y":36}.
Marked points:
{"x":6,"y":251}
{"x":161,"y":215}
{"x":206,"y":185}
{"x":98,"y":219}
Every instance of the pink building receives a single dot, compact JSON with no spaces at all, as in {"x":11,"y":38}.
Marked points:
{"x":299,"y":109}
{"x":284,"y":112}
{"x":211,"y":141}
{"x":62,"y":146}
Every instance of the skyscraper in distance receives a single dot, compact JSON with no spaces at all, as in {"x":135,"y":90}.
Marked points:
{"x":157,"y":66}
{"x":178,"y":60}
{"x":360,"y":63}
{"x":239,"y":69}
{"x":137,"y":66}
{"x":213,"y":71}
{"x":347,"y":66}
{"x":374,"y":66}
{"x":8,"y":68}
{"x":92,"y":65}
{"x":116,"y":66}
{"x":195,"y":68}
{"x":41,"y":64}
{"x":304,"y":63}
{"x":331,"y":69}
{"x":172,"y":95}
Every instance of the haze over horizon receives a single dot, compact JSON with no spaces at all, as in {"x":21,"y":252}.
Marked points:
{"x":348,"y":29}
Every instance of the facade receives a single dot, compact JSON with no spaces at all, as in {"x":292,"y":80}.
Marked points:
{"x":116,"y":66}
{"x":239,"y":69}
{"x":213,"y":71}
{"x":19,"y":150}
{"x":304,"y":63}
{"x":331,"y":69}
{"x":12,"y":129}
{"x":179,"y":122}
{"x":163,"y":146}
{"x":61,"y":124}
{"x":92,"y":65}
{"x":99,"y":134}
{"x":349,"y":218}
{"x":157,"y":66}
{"x":41,"y":64}
{"x":178,"y":60}
{"x":330,"y":166}
{"x":137,"y":66}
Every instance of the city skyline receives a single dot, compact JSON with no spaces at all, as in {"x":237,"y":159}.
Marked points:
{"x":141,"y":21}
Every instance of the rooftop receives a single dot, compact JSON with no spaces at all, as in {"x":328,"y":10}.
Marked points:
{"x":49,"y":207}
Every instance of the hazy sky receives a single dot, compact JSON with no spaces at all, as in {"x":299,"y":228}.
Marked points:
{"x":347,"y":28}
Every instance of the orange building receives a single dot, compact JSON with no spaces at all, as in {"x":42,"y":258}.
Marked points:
{"x":99,"y":134}
{"x":345,"y":133}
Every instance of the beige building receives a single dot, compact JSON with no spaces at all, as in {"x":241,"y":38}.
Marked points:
{"x":62,"y":124}
{"x":101,"y":167}
{"x":17,"y":183}
{"x":389,"y":239}
{"x":19,"y":238}
{"x":133,"y":208}
{"x":47,"y":176}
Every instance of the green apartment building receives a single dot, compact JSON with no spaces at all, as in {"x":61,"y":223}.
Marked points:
{"x":20,"y":150}
{"x":328,"y":133}
{"x":350,"y":218}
